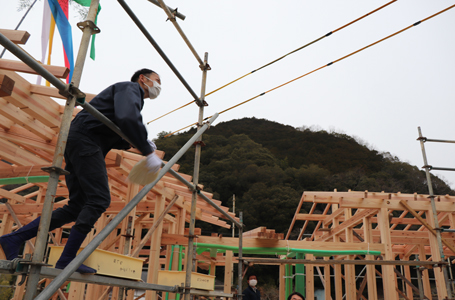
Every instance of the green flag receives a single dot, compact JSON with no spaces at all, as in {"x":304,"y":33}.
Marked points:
{"x":86,"y":3}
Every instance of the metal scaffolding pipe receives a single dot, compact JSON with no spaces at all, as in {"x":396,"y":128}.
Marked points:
{"x":174,"y":11}
{"x":158,"y":49}
{"x":98,"y":239}
{"x":438,"y":141}
{"x":442,"y":169}
{"x":197,"y":160}
{"x":182,"y":34}
{"x":434,"y":212}
{"x":55,"y":170}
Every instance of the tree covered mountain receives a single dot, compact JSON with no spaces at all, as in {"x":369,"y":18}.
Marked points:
{"x":267,"y":166}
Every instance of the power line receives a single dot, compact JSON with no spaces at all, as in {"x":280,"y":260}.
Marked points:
{"x":280,"y":58}
{"x":329,"y":64}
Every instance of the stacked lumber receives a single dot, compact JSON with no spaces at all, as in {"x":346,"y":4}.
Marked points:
{"x":263,"y":233}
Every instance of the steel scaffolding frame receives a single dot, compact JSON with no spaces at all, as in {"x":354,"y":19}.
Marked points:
{"x":438,"y":230}
{"x":35,"y":269}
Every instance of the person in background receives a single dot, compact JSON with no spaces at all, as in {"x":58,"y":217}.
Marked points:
{"x":252,"y":292}
{"x":296,"y":296}
{"x":88,"y":142}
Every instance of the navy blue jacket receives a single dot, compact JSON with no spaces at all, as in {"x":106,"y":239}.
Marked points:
{"x":249,"y":294}
{"x":122,"y":104}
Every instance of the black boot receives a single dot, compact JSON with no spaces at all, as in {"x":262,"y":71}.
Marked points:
{"x":11,"y":243}
{"x":69,"y":252}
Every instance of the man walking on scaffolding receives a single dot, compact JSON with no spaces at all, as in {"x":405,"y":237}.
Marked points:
{"x":89,"y":141}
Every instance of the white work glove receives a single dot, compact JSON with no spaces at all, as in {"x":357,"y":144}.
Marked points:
{"x":152,"y":144}
{"x":153,"y":163}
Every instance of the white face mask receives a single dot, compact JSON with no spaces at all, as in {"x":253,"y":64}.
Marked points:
{"x":253,"y":282}
{"x":155,"y":90}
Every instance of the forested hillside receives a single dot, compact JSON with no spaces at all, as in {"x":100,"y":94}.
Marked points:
{"x":267,"y":166}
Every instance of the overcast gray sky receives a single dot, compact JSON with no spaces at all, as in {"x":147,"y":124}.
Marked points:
{"x":380,"y":95}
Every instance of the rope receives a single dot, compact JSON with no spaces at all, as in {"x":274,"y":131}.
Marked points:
{"x":329,"y":64}
{"x":280,"y":58}
{"x":26,"y":177}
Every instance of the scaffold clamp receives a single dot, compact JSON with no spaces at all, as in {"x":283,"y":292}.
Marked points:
{"x":59,"y":170}
{"x":82,"y":25}
{"x":199,"y":143}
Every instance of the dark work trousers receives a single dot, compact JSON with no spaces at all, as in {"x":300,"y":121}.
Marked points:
{"x":87,"y":184}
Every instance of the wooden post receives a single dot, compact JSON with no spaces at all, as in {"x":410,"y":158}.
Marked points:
{"x":371,"y":270}
{"x":407,"y":275}
{"x":425,"y":273}
{"x":309,"y":278}
{"x":282,"y":282}
{"x":349,"y":269}
{"x":337,"y":267}
{"x":441,"y":286}
{"x":328,"y":284}
{"x":388,"y":275}
{"x":228,"y":272}
{"x":154,"y":257}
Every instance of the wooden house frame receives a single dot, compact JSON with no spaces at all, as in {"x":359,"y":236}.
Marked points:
{"x":402,"y":224}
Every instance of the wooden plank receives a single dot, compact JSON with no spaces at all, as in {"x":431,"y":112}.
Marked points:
{"x":295,"y":217}
{"x":6,"y":85}
{"x":395,"y":204}
{"x":17,"y":155}
{"x":310,"y":217}
{"x":18,"y":37}
{"x":33,"y":105}
{"x":5,"y":124}
{"x":22,"y":136}
{"x":53,"y":92}
{"x":18,"y":66}
{"x":336,"y":196}
{"x":172,"y":239}
{"x":329,"y":219}
{"x":12,"y":196}
{"x":13,"y":113}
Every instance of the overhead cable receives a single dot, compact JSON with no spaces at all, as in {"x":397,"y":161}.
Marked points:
{"x":326,"y":65}
{"x":280,"y":58}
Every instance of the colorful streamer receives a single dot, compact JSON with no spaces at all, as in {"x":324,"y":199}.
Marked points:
{"x":64,"y":29}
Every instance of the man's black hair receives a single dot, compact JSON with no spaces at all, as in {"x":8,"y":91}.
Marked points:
{"x":296,"y":293}
{"x":136,"y":75}
{"x":248,"y":278}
